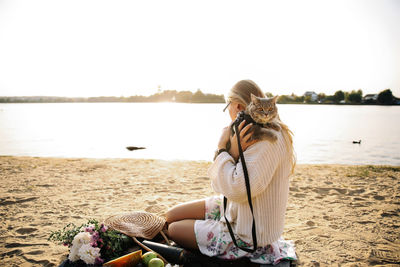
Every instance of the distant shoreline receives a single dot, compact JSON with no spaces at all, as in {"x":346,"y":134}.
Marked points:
{"x":94,"y":102}
{"x":385,"y":97}
{"x":164,"y":96}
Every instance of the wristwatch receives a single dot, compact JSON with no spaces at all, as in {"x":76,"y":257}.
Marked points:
{"x":219,"y":151}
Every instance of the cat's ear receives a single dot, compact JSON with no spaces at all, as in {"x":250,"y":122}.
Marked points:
{"x":254,"y":99}
{"x":275,"y":98}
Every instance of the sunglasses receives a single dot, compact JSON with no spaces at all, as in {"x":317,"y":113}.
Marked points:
{"x":227,"y":106}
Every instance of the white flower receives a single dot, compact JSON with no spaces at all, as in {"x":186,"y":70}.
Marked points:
{"x":73,"y":253}
{"x":82,"y":238}
{"x":79,"y":240}
{"x":88,"y":254}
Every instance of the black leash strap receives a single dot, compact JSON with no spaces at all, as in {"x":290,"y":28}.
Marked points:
{"x":246,"y":177}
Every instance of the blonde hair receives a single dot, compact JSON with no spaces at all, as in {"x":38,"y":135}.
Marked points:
{"x":241,"y":93}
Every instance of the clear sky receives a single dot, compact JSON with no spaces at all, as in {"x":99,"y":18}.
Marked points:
{"x":124,"y":48}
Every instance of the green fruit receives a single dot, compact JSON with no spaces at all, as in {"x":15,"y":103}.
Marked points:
{"x":156,"y":262}
{"x":146,"y":257}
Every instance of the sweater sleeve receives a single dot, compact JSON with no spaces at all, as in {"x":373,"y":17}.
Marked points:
{"x":227,"y":177}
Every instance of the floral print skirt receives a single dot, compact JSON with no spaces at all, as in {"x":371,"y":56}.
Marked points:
{"x":214,"y":240}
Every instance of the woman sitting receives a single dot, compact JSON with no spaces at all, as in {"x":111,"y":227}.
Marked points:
{"x":201,"y":224}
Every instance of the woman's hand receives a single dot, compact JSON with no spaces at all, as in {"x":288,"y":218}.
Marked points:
{"x":223,"y":140}
{"x":244,"y":140}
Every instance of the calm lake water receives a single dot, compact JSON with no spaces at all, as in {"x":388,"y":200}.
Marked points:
{"x":323,"y":133}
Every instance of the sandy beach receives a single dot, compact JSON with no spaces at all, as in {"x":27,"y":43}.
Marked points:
{"x":337,"y":215}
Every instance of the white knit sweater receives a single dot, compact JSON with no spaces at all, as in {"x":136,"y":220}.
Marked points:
{"x":269,"y":167}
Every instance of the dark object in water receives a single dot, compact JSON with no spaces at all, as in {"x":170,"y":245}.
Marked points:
{"x":357,"y":142}
{"x":131,"y":148}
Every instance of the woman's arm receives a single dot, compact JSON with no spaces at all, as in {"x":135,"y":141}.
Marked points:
{"x":244,"y":139}
{"x":244,"y":136}
{"x":262,"y":160}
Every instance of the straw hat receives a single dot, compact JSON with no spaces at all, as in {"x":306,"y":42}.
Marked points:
{"x":136,"y":224}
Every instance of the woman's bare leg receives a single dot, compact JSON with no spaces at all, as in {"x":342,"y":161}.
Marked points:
{"x":182,"y":232}
{"x":188,"y":210}
{"x":181,"y":219}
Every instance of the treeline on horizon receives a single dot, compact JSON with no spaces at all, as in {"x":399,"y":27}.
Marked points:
{"x":161,"y":96}
{"x":354,"y":97}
